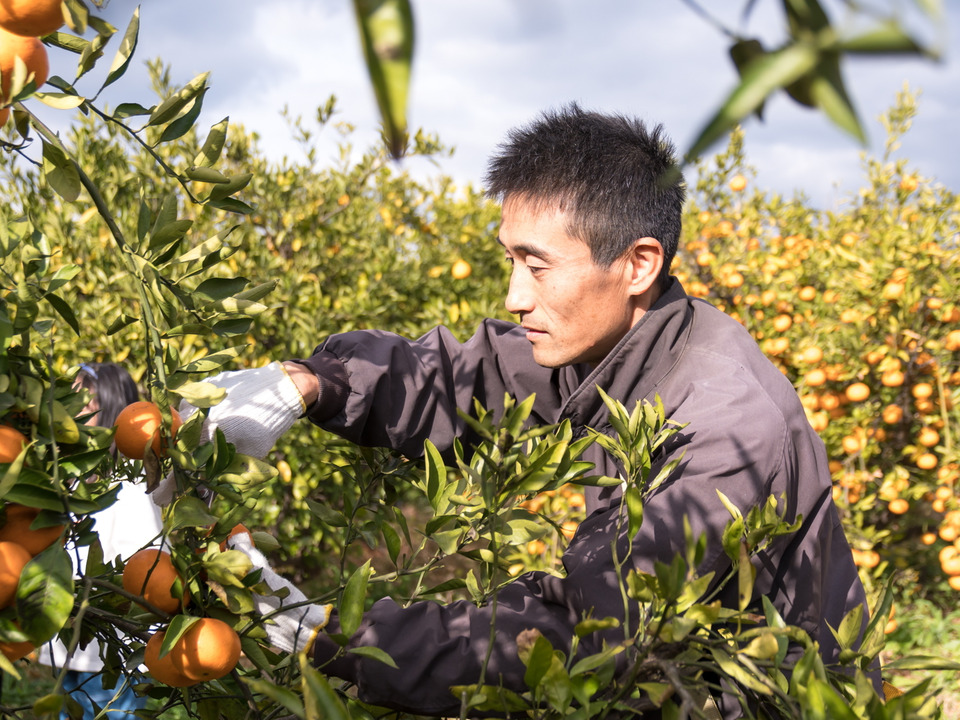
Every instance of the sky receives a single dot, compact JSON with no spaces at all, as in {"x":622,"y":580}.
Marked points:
{"x":484,"y":66}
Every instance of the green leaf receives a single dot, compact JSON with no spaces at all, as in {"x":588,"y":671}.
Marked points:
{"x":189,"y":511}
{"x":761,"y":78}
{"x":435,"y":478}
{"x":202,"y":394}
{"x":592,"y":625}
{"x":173,"y":105}
{"x":353,"y":599}
{"x":446,"y":586}
{"x":387,"y":38}
{"x":829,"y":94}
{"x":591,"y":662}
{"x":258,"y":292}
{"x":234,"y":184}
{"x":279,"y":694}
{"x":175,"y":630}
{"x":184,"y":123}
{"x":130,"y":109}
{"x":64,"y":310}
{"x":740,"y":674}
{"x":538,"y":658}
{"x":228,"y":567}
{"x":375,"y":653}
{"x":60,"y":101}
{"x":62,"y":276}
{"x":634,"y":503}
{"x":171,"y":232}
{"x":207,"y":249}
{"x":206,"y":174}
{"x":888,"y":37}
{"x":94,"y":49}
{"x":211,"y":362}
{"x":256,"y":655}
{"x":328,"y":516}
{"x":320,"y":700}
{"x":245,"y":471}
{"x":776,"y":621}
{"x":212,"y":147}
{"x":922,"y":662}
{"x":60,"y":172}
{"x":11,"y":472}
{"x":392,"y":540}
{"x":657,"y":692}
{"x":806,"y":17}
{"x":231,"y":205}
{"x":45,"y":594}
{"x":746,"y":577}
{"x":849,"y":630}
{"x":128,"y":45}
{"x":77,"y":15}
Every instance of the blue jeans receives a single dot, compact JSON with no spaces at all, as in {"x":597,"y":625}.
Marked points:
{"x":86,"y":689}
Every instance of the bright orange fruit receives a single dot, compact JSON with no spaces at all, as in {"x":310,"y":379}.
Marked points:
{"x":150,"y":573}
{"x":140,"y":423}
{"x":13,"y":558}
{"x":162,"y":669}
{"x":209,"y":650}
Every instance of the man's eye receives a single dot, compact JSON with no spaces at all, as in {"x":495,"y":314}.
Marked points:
{"x":534,"y":270}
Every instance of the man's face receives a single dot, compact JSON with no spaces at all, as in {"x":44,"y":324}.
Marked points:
{"x":574,"y":311}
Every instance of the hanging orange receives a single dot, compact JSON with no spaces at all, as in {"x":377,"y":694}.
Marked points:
{"x":209,"y":650}
{"x":140,"y":423}
{"x":31,"y":18}
{"x":28,"y":49}
{"x":150,"y":573}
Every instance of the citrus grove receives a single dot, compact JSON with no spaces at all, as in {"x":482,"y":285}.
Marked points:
{"x":137,"y":236}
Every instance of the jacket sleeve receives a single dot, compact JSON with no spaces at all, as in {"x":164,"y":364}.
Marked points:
{"x":394,"y":392}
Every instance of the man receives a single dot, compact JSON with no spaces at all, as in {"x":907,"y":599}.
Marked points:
{"x":591,"y":208}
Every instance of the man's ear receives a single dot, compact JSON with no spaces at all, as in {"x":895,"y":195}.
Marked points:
{"x":646,"y":260}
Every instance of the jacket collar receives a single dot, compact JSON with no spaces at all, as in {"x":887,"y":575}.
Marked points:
{"x":636,"y":366}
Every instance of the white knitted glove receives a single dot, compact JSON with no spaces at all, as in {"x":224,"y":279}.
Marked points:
{"x":290,"y":629}
{"x":260,"y":405}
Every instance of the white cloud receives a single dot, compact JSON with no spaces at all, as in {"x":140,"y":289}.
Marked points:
{"x":483,"y":66}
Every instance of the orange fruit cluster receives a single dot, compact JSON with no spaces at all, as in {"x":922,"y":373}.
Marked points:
{"x":208,"y":650}
{"x":18,"y":545}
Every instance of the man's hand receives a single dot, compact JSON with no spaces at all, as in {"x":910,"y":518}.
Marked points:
{"x":291,"y":622}
{"x":260,"y":406}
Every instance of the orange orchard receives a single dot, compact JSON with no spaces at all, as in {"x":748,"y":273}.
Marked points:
{"x":867,"y":329}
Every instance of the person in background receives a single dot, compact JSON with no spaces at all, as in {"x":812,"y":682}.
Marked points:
{"x":123,"y":528}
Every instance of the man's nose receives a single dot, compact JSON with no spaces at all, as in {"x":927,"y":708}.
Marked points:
{"x":519,"y":295}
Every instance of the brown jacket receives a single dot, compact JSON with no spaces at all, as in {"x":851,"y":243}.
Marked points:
{"x":746,"y":435}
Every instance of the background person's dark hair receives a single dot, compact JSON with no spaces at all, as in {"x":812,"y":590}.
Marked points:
{"x":111,"y":386}
{"x":618,"y":180}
